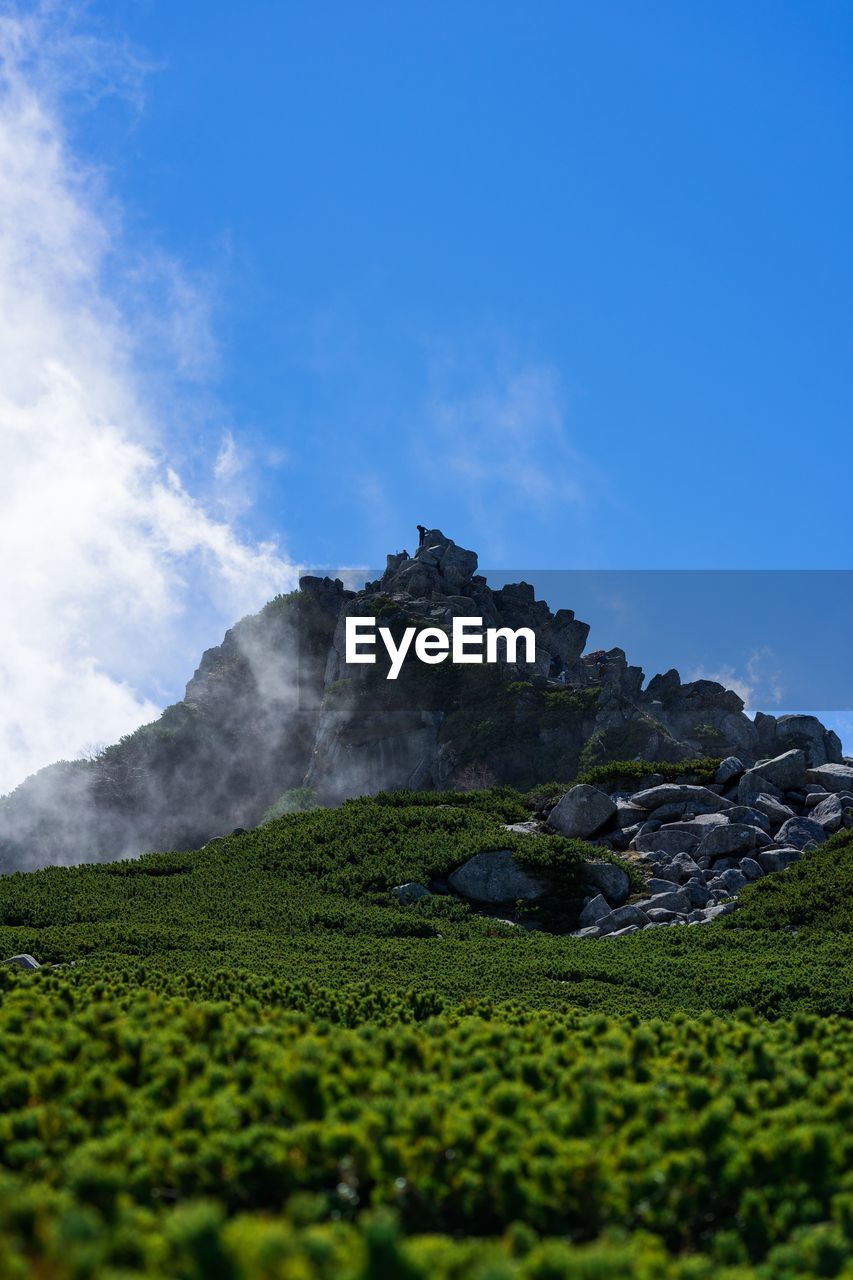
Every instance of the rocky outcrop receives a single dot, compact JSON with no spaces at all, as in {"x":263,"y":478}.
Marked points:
{"x":277,"y":707}
{"x":699,"y":848}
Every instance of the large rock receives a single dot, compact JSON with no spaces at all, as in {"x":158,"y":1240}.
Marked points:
{"x":828,"y":813}
{"x":751,"y":817}
{"x":820,"y":745}
{"x":801,"y":833}
{"x":675,"y":900}
{"x":581,"y":812}
{"x":627,"y":814}
{"x":785,"y":772}
{"x":736,"y":838}
{"x":621,"y":918}
{"x":728,"y":770}
{"x":609,"y":879}
{"x":666,"y":840}
{"x":752,"y":785}
{"x":773,"y":809}
{"x":697,"y":892}
{"x":682,"y":866}
{"x":777,"y":859}
{"x":733,"y":879}
{"x":679,"y":793}
{"x":832,"y":777}
{"x":496,"y":877}
{"x":596,"y":909}
{"x":23,"y":961}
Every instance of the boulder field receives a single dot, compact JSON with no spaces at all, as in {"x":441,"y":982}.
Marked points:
{"x":697,"y":846}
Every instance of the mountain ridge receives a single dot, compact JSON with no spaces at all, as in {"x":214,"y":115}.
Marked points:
{"x":276,"y":707}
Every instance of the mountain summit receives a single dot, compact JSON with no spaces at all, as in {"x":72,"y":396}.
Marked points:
{"x":276,"y":706}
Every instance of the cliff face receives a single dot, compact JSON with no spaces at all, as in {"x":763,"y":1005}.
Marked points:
{"x":276,"y":706}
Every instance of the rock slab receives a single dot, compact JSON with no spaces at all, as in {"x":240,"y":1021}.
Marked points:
{"x":496,"y":877}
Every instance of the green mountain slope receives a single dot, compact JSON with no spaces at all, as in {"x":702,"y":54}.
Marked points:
{"x":261,"y":1066}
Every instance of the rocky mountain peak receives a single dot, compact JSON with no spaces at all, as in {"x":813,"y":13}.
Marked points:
{"x":276,"y":706}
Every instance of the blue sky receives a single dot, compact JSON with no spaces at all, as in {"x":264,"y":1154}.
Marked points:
{"x":571,"y":281}
{"x":280,"y":280}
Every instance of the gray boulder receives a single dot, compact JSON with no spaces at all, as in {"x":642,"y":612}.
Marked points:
{"x":608,"y":879}
{"x":828,"y":813}
{"x":660,"y":915}
{"x":679,"y":793}
{"x":750,"y":816}
{"x":627,"y":814}
{"x":596,"y":909}
{"x":786,"y":771}
{"x":701,"y":823}
{"x":665,"y":840}
{"x":496,"y":877}
{"x":717,"y":910}
{"x":832,"y":777}
{"x":698,"y":893}
{"x":581,"y":812}
{"x":751,"y":869}
{"x":728,"y":770}
{"x":410,"y":892}
{"x":801,"y":833}
{"x":734,"y":880}
{"x":775,"y":812}
{"x":752,"y":785}
{"x":820,"y":744}
{"x":23,"y":961}
{"x":777,"y":859}
{"x":683,"y":866}
{"x":677,"y":900}
{"x":621,"y":918}
{"x":735,"y":838}
{"x":660,"y":884}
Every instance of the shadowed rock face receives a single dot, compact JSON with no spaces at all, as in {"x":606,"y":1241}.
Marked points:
{"x":276,"y":706}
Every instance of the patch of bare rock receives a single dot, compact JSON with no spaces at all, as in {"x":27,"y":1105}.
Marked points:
{"x":698,"y":846}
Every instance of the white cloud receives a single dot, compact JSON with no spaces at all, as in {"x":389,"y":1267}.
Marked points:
{"x":110,"y":570}
{"x":228,"y":463}
{"x":506,"y":445}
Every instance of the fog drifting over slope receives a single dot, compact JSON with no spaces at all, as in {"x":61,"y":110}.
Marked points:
{"x":111,"y":570}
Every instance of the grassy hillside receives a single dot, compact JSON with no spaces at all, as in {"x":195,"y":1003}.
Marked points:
{"x":261,"y":1067}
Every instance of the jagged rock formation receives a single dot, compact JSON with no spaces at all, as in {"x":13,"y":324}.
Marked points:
{"x":276,"y":706}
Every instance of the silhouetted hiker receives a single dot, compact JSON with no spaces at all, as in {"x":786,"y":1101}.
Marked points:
{"x":422,"y":533}
{"x":600,"y":663}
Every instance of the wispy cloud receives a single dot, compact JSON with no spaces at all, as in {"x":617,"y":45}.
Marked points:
{"x":109,"y":564}
{"x":503,"y":440}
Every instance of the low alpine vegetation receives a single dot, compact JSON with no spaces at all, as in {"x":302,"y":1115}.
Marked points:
{"x":257,"y":1061}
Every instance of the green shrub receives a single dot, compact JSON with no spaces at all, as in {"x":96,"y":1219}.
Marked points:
{"x":261,"y":1066}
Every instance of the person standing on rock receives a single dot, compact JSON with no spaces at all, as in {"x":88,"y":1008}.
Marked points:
{"x":422,"y":533}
